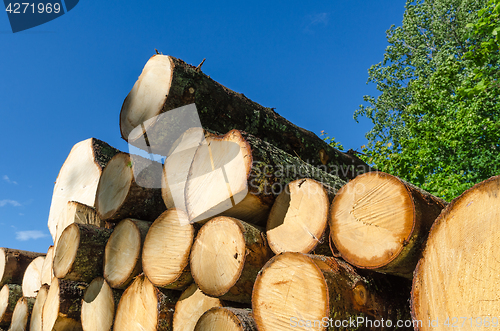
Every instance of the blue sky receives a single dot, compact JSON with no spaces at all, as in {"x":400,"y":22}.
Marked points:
{"x":65,"y":81}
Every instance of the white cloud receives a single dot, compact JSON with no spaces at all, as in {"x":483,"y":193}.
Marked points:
{"x":27,"y":235}
{"x":7,"y":179}
{"x":9,"y":202}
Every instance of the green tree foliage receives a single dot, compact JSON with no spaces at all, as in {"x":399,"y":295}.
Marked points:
{"x":437,"y":119}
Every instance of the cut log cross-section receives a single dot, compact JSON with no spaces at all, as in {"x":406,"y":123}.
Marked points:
{"x":36,"y":313}
{"x":130,"y":187}
{"x":239,"y":175}
{"x":190,"y":306}
{"x":294,"y":290}
{"x":122,"y":257}
{"x":227,"y":319}
{"x":99,"y":305}
{"x":47,"y":270}
{"x":226,"y":257}
{"x":455,"y":282}
{"x":298,"y":219}
{"x":145,"y":307}
{"x":9,"y":295}
{"x":80,"y":252}
{"x":165,"y":255}
{"x":22,"y":314}
{"x":63,"y":305}
{"x":77,"y":212}
{"x":32,"y":280}
{"x":78,"y":178}
{"x":13,"y":264}
{"x":167,"y":83}
{"x":380,"y":222}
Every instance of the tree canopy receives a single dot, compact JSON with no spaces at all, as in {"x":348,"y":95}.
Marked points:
{"x":437,"y":118}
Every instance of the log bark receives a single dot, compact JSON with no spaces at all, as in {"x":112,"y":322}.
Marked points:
{"x":380,"y":222}
{"x":226,"y":258}
{"x":99,"y":306}
{"x":165,"y":256}
{"x":77,"y":212}
{"x":130,"y":187}
{"x":167,"y":83}
{"x":226,"y":319}
{"x":460,"y":264}
{"x":78,"y":178}
{"x":9,"y":295}
{"x":145,"y":307}
{"x":80,"y":252}
{"x":122,"y":256}
{"x":47,"y":270}
{"x":32,"y":279}
{"x":243,"y":175}
{"x":13,"y":264}
{"x":36,"y":313}
{"x":191,"y":305}
{"x":22,"y":314}
{"x":317,"y":292}
{"x":299,"y":217}
{"x":63,"y":305}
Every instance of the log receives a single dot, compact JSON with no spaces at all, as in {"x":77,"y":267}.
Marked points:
{"x":78,"y":178}
{"x":145,"y":307}
{"x":226,"y":258}
{"x":316,"y":292}
{"x":63,"y":305}
{"x":299,"y":217}
{"x":13,"y":264}
{"x":191,"y":305}
{"x":99,"y":306}
{"x":47,"y":271}
{"x":379,"y":222}
{"x":32,"y":279}
{"x":243,"y":175}
{"x":9,"y":294}
{"x":460,"y":264}
{"x":22,"y":314}
{"x":36,"y":313}
{"x":165,"y":255}
{"x":122,"y":256}
{"x":80,"y":252}
{"x":167,"y":83}
{"x":76,"y":212}
{"x":130,"y":187}
{"x":226,"y":319}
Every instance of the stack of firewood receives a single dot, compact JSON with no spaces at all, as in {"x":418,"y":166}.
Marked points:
{"x":249,"y":223}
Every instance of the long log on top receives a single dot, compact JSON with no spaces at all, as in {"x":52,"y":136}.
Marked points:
{"x":239,"y":175}
{"x":78,"y":178}
{"x":455,"y":282}
{"x":379,"y":222}
{"x":13,"y":263}
{"x":167,"y":83}
{"x":297,"y":291}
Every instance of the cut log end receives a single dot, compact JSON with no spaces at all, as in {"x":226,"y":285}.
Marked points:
{"x":165,"y":256}
{"x":32,"y":280}
{"x":226,"y":319}
{"x":66,"y":251}
{"x":62,"y":307}
{"x":22,"y":314}
{"x":98,"y":306}
{"x":36,"y":313}
{"x":299,"y":217}
{"x":218,"y":255}
{"x":291,"y":289}
{"x":9,"y":294}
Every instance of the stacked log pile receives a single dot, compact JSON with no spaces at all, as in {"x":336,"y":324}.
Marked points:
{"x":249,"y":223}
